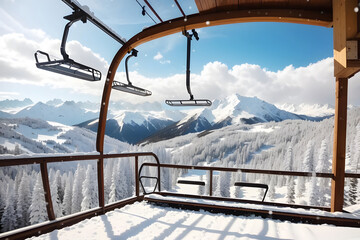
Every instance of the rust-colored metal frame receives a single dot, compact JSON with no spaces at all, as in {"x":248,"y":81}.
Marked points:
{"x":74,"y":218}
{"x":290,"y":216}
{"x":318,"y":18}
{"x":342,"y":18}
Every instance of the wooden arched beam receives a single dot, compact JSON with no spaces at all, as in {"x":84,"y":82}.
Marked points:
{"x":310,"y":17}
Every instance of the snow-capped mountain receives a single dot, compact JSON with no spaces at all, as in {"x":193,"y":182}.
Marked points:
{"x":313,"y":110}
{"x":234,"y":109}
{"x":13,"y":106}
{"x":133,"y":127}
{"x":68,"y":113}
{"x":135,"y":123}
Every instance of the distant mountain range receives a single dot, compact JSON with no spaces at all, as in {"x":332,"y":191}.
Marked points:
{"x":234,"y":109}
{"x":149,"y":122}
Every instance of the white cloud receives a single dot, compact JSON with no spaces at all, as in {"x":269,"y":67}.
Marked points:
{"x":10,"y":25}
{"x":310,"y":84}
{"x":17,"y":64}
{"x":158,"y":56}
{"x":9,"y":95}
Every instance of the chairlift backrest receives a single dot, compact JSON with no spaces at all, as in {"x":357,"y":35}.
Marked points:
{"x":130,"y":88}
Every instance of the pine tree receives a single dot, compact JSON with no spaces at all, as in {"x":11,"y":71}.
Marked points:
{"x":223,"y":186}
{"x":207,"y":186}
{"x":118,"y":189}
{"x":307,"y":166}
{"x":67,"y":203}
{"x":323,"y":166}
{"x":107,"y":178}
{"x":271,"y":191}
{"x":77,"y":190}
{"x":201,"y":189}
{"x":353,"y":191}
{"x":313,"y":192}
{"x":290,"y":193}
{"x":89,"y":191}
{"x":238,"y":191}
{"x":290,"y":196}
{"x":356,"y":160}
{"x":60,"y":185}
{"x":55,"y":196}
{"x":37,"y":208}
{"x":8,"y":221}
{"x":23,"y":201}
{"x":17,"y":150}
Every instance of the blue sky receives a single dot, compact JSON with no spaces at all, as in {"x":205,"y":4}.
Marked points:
{"x":260,"y":52}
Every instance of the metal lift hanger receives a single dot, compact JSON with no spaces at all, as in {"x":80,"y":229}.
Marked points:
{"x":129,"y":88}
{"x":191,"y":101}
{"x":67,"y":66}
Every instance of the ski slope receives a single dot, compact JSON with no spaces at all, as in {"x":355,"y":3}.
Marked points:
{"x":145,"y":221}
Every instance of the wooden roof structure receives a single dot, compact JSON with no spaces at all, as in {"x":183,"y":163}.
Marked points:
{"x":216,"y":5}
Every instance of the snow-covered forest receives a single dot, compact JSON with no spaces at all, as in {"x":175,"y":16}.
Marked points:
{"x":293,"y":145}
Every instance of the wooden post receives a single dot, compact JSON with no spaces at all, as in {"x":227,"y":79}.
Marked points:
{"x":345,"y":25}
{"x":100,"y":175}
{"x":211,"y":183}
{"x":47,"y":193}
{"x":339,"y":150}
{"x":137,"y":176}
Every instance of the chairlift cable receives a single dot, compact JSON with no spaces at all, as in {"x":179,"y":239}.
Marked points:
{"x":143,"y":8}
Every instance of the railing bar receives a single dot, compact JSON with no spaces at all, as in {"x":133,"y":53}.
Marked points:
{"x":39,"y":160}
{"x":211,"y":182}
{"x":246,"y":170}
{"x":100,"y":176}
{"x":137,"y":176}
{"x":47,"y":192}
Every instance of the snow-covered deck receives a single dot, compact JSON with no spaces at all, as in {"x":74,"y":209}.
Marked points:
{"x":142,"y":220}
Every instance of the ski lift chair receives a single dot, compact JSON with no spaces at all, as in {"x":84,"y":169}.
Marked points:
{"x":130,"y":88}
{"x":191,"y":102}
{"x":68,"y":66}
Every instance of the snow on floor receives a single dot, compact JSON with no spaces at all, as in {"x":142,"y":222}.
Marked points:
{"x":145,"y":221}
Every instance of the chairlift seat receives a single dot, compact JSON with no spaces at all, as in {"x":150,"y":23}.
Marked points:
{"x":253,"y":185}
{"x":68,"y":67}
{"x":129,"y":88}
{"x":189,"y":103}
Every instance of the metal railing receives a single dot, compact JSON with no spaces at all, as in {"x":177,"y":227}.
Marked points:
{"x":74,"y":218}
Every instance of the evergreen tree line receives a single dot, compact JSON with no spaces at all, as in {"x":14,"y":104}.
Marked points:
{"x":22,"y":201}
{"x":289,"y":145}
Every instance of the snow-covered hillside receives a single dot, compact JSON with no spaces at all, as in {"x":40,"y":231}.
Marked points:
{"x":26,"y":135}
{"x":313,"y":110}
{"x":68,"y":113}
{"x":294,"y":145}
